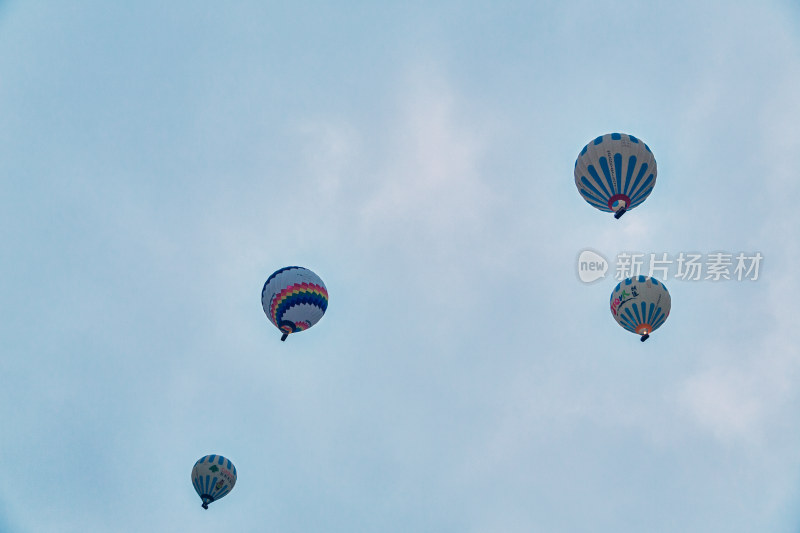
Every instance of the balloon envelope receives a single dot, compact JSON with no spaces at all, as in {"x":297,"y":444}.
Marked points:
{"x":615,"y":172}
{"x":213,"y":476}
{"x":294,"y":299}
{"x":640,"y":304}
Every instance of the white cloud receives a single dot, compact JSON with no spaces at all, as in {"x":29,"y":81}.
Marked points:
{"x":330,"y":150}
{"x":745,"y":393}
{"x":724,"y":401}
{"x":430,"y":178}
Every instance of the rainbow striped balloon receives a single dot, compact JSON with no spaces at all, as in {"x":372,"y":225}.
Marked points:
{"x":640,"y":304}
{"x":213,"y":477}
{"x":294,"y":299}
{"x":615,"y":173}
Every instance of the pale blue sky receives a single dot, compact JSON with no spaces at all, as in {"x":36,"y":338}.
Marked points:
{"x":157,"y":163}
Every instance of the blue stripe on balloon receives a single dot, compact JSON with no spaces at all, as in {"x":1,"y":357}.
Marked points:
{"x":618,"y":166}
{"x":657,"y":315}
{"x":607,"y":174}
{"x":650,"y":313}
{"x":635,"y":184}
{"x":585,"y":148}
{"x":588,"y":184}
{"x":616,"y":136}
{"x":598,"y":180}
{"x":299,"y":299}
{"x":629,"y":173}
{"x":595,"y":201}
{"x":641,"y":200}
{"x":230,"y":465}
{"x":636,"y":312}
{"x":632,"y":314}
{"x":221,"y":460}
{"x":629,"y":320}
{"x":598,"y":140}
{"x":274,"y":274}
{"x":210,"y":458}
{"x":633,"y":139}
{"x":644,"y":187}
{"x":598,"y":205}
{"x":588,"y":196}
{"x":659,"y":318}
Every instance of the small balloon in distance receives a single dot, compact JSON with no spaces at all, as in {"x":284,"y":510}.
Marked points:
{"x":294,"y":299}
{"x":641,"y":305}
{"x":213,"y":477}
{"x":615,"y":173}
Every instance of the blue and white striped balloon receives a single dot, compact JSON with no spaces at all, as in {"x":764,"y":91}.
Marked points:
{"x":213,"y":476}
{"x":641,"y":305}
{"x":615,"y":173}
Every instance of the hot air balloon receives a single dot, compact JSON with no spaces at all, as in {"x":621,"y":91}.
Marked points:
{"x":294,"y":299}
{"x":641,"y":305}
{"x":615,"y":173}
{"x":213,"y":477}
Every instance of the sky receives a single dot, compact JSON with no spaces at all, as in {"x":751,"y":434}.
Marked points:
{"x":158,"y":161}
